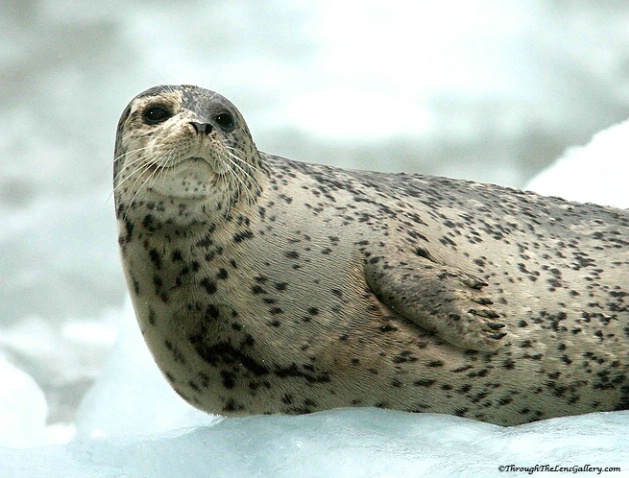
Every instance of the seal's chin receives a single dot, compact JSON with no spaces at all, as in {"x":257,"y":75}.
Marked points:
{"x":190,"y":178}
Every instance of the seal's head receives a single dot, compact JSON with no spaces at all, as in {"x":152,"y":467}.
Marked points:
{"x":184,"y":151}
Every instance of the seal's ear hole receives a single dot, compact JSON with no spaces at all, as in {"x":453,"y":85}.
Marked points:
{"x":155,"y":114}
{"x":225,"y":121}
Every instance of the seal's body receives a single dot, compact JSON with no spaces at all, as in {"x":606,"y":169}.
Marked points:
{"x":264,"y":285}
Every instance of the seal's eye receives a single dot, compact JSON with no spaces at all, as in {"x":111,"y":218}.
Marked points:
{"x":155,"y":114}
{"x":225,"y":121}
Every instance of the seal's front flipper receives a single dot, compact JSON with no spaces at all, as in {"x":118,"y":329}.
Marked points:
{"x":438,"y":298}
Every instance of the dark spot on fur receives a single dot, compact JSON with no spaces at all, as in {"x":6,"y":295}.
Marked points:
{"x":212,"y":312}
{"x":509,"y":364}
{"x":155,"y":258}
{"x":228,"y":380}
{"x":223,"y":353}
{"x":293,"y":370}
{"x":387,"y":328}
{"x":243,"y":235}
{"x":256,"y":289}
{"x":435,"y":363}
{"x":208,"y":285}
{"x":287,"y":399}
{"x":232,"y":406}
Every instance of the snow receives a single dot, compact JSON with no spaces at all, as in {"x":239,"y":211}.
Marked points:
{"x":486,"y":90}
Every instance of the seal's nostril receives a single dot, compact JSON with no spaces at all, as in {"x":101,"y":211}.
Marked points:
{"x":201,"y":128}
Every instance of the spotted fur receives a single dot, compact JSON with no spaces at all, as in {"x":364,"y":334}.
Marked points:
{"x":264,"y":285}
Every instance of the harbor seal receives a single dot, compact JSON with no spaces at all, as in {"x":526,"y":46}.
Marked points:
{"x":264,"y":285}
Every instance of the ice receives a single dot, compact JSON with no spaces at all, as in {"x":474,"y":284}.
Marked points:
{"x":23,"y":408}
{"x":131,"y":396}
{"x":597,"y":172}
{"x":64,"y":358}
{"x":338,"y":443}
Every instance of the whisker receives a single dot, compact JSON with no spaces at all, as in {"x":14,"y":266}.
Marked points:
{"x":248,"y":174}
{"x":144,"y":183}
{"x":226,"y":176}
{"x":137,"y":150}
{"x":247,"y":189}
{"x":168,"y":163}
{"x":137,"y":175}
{"x":130,"y":164}
{"x":234,"y":150}
{"x":247,"y":164}
{"x":137,"y":178}
{"x":148,"y":160}
{"x":138,"y":190}
{"x":135,"y":172}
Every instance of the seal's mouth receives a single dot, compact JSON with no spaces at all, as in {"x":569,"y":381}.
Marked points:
{"x":156,"y":167}
{"x":196,"y":158}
